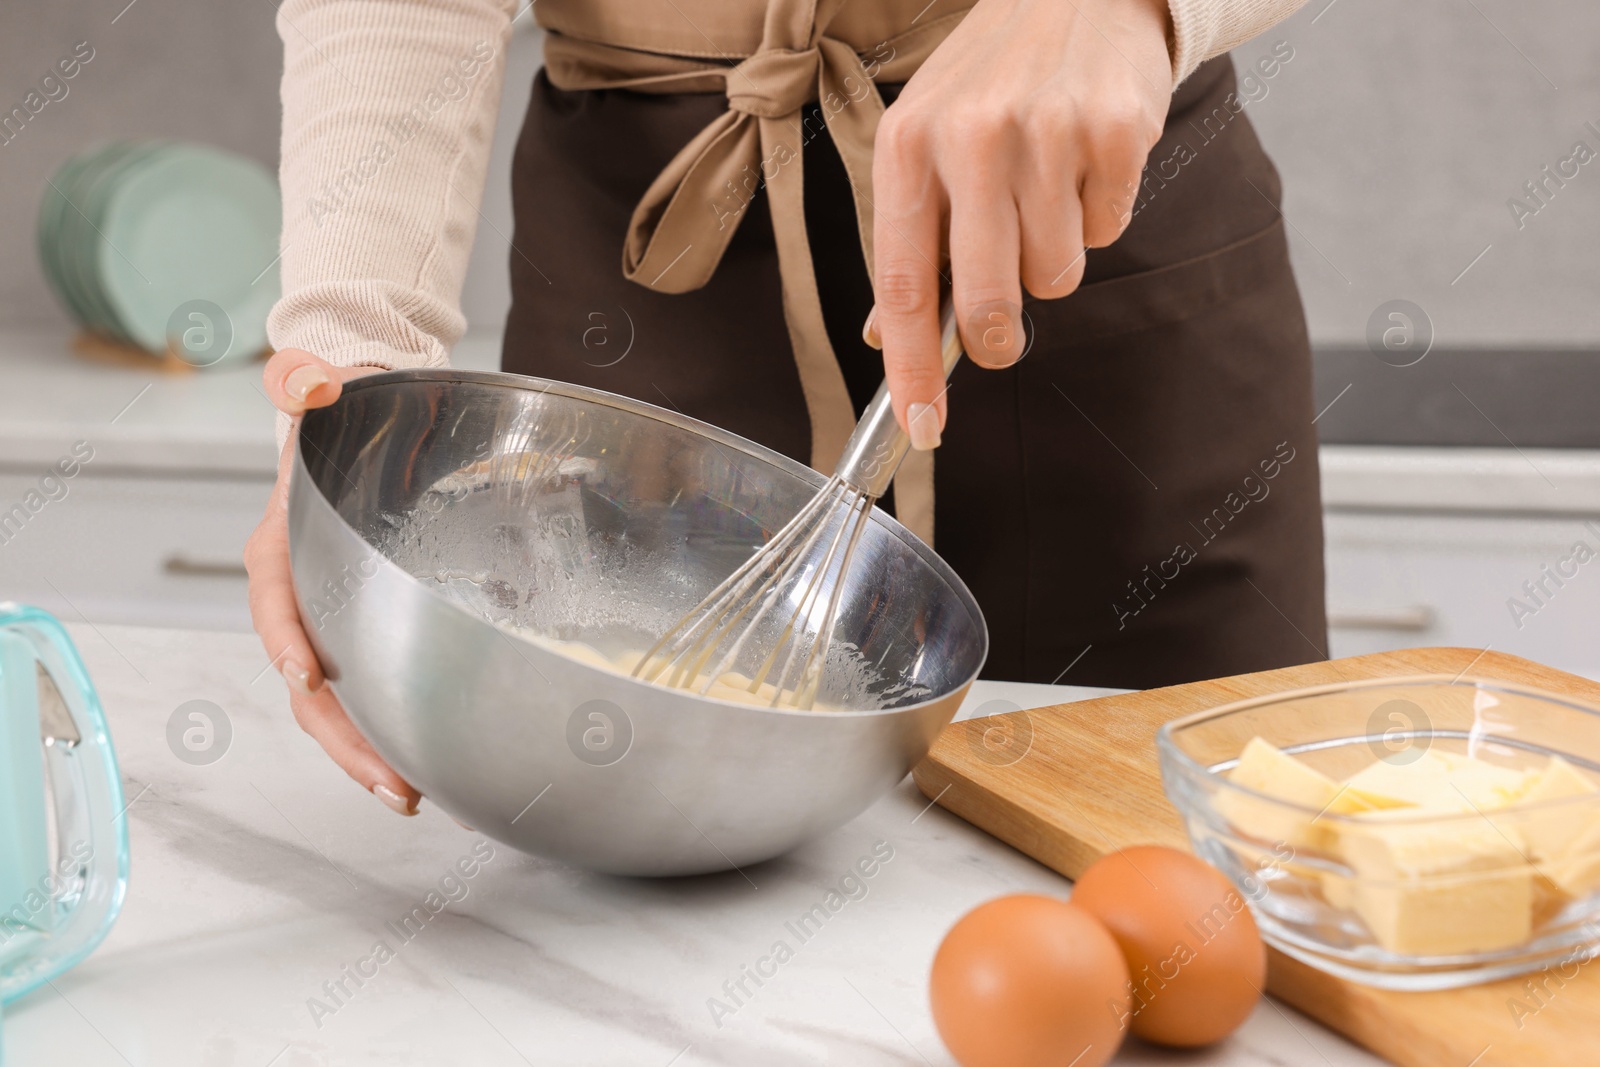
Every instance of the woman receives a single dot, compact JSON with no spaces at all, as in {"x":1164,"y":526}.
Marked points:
{"x":1135,"y":502}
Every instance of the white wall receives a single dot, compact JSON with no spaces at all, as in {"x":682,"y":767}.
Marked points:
{"x":1401,"y":130}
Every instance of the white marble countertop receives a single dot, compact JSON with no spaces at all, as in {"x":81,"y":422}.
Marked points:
{"x":260,"y":877}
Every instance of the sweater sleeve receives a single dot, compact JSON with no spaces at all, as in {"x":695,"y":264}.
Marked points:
{"x":1202,"y":29}
{"x":388,"y":115}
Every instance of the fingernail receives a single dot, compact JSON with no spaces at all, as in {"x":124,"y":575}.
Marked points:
{"x":303,"y":379}
{"x":993,"y":329}
{"x":394,"y":801}
{"x":922,"y":421}
{"x":298,"y":677}
{"x":869,"y":329}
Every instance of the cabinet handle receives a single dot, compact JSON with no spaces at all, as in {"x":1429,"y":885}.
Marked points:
{"x":1405,"y":620}
{"x":189,"y":567}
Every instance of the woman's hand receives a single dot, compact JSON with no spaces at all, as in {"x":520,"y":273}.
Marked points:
{"x":1025,"y":134}
{"x":297,"y":381}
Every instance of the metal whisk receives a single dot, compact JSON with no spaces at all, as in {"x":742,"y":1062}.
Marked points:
{"x":787,"y":570}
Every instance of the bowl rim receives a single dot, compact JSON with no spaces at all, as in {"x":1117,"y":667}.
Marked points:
{"x":529,"y":383}
{"x":1169,"y":749}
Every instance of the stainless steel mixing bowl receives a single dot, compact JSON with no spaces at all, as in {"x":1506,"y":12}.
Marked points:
{"x":436,"y":517}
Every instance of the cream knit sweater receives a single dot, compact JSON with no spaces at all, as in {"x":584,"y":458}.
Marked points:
{"x":388,"y":112}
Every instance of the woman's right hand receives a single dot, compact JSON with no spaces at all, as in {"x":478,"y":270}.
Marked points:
{"x":297,"y":381}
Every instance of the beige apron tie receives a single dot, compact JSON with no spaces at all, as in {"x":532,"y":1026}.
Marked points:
{"x":682,"y":226}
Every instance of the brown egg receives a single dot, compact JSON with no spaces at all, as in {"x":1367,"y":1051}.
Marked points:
{"x":1029,"y":981}
{"x":1195,"y":958}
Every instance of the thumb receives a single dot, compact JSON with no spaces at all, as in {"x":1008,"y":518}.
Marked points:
{"x":297,"y":381}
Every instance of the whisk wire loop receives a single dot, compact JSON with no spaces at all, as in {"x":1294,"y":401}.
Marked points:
{"x":787,"y":570}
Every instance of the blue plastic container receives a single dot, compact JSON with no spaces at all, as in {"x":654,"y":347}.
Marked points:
{"x":63,"y":828}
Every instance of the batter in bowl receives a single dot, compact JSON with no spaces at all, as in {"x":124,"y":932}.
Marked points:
{"x":730,"y":685}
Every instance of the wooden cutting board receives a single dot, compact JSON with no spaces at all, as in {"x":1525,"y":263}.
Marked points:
{"x":1089,"y":784}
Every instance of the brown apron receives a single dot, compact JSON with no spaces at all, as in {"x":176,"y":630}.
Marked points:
{"x":1137,"y":499}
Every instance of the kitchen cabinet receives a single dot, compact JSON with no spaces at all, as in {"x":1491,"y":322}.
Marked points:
{"x":126,"y":492}
{"x":169,"y":474}
{"x":1473,"y":547}
{"x":127,"y":547}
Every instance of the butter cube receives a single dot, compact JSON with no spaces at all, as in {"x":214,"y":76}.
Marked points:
{"x":1549,"y":900}
{"x":1417,"y":781}
{"x":1551,"y":834}
{"x":1563,"y":841}
{"x":1435,"y":889}
{"x":1557,"y":781}
{"x":1273,"y":772}
{"x":1577,"y":871}
{"x":1439,"y":781}
{"x":1487,"y":785}
{"x":1337,"y":889}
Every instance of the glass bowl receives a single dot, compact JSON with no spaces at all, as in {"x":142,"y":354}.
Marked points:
{"x":1453,"y":893}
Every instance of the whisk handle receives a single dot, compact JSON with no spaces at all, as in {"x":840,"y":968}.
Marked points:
{"x":875,"y":450}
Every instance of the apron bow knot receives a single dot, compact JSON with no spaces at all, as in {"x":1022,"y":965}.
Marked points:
{"x":774,"y":82}
{"x":685,"y":220}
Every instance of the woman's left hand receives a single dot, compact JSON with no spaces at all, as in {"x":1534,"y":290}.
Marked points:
{"x":1023,"y":138}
